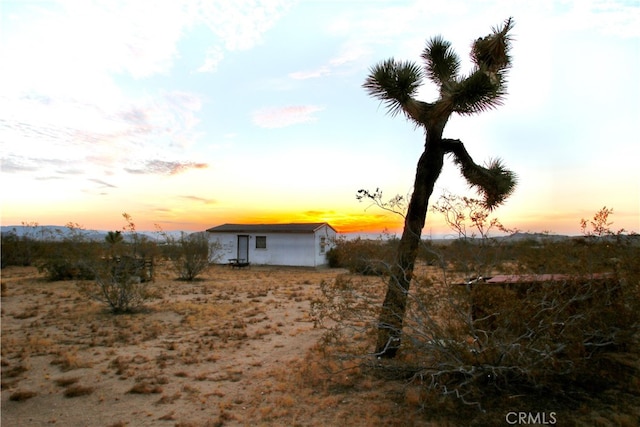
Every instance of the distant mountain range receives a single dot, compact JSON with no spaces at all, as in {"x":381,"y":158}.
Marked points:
{"x":57,"y":232}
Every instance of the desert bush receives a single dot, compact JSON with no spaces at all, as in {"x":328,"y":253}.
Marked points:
{"x":21,"y":250}
{"x":191,"y":254}
{"x":474,"y":252}
{"x":554,"y":341}
{"x":68,"y":254}
{"x":16,"y":250}
{"x":121,"y":282}
{"x":123,"y":271}
{"x":363,"y":256}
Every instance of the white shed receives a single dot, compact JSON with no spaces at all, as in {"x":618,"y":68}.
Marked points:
{"x":295,"y":244}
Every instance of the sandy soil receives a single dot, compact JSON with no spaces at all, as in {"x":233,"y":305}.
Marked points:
{"x":237,"y":348}
{"x":220,"y":351}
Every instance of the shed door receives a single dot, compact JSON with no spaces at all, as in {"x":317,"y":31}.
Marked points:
{"x":243,"y":248}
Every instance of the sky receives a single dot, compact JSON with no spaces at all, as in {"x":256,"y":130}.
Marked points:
{"x":190,"y":114}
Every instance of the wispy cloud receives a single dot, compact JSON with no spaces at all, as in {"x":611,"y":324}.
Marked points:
{"x":237,"y":25}
{"x":63,"y":67}
{"x":18,"y":164}
{"x":161,"y":167}
{"x":13,"y":164}
{"x":352,"y":52}
{"x":618,"y":18}
{"x":311,"y":74}
{"x":103,"y":184}
{"x":285,"y":116}
{"x":213,"y":57}
{"x":72,"y":135}
{"x":199,"y":199}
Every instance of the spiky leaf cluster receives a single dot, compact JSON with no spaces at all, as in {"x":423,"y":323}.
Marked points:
{"x":396,"y":82}
{"x":494,"y":182}
{"x":491,"y":53}
{"x":441,"y":62}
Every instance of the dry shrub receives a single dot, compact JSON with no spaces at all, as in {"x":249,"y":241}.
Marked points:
{"x":68,"y":361}
{"x":122,"y":282}
{"x":546,"y":345}
{"x":144,"y":387}
{"x":168,"y":417}
{"x":22,"y":395}
{"x":77,"y":390}
{"x":66,"y":382}
{"x":168,"y":399}
{"x":14,"y":371}
{"x":363,"y":256}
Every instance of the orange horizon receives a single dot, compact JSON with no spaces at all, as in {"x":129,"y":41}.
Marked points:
{"x":345,"y":216}
{"x":344,"y":223}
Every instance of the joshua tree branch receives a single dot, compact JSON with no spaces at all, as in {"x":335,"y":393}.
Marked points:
{"x":495,"y":182}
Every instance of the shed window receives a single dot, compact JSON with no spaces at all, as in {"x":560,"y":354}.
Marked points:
{"x":261,"y":242}
{"x":323,"y":244}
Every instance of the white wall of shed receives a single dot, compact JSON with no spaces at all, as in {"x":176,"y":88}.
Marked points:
{"x":294,"y":249}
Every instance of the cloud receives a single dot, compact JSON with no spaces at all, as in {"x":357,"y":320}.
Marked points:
{"x":13,"y":164}
{"x":69,"y":133}
{"x":103,"y":184}
{"x":616,"y":18}
{"x":303,"y":75}
{"x":213,"y":57}
{"x":352,"y":52}
{"x":236,"y":25}
{"x":64,"y":63}
{"x":285,"y":116}
{"x":199,"y":199}
{"x":161,"y":167}
{"x":241,"y":23}
{"x":20,"y":164}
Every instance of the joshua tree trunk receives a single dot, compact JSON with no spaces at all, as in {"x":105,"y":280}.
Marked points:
{"x":395,"y":83}
{"x":395,"y":302}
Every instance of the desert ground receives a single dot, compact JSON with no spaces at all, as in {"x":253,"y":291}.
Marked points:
{"x":233,"y":348}
{"x":238,"y":347}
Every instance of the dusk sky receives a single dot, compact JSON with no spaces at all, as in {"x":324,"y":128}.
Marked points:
{"x":190,"y":114}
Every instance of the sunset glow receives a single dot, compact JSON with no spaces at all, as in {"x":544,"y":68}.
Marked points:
{"x":187,"y":120}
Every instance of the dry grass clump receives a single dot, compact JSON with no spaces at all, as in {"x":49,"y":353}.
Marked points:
{"x":22,"y":395}
{"x":76,"y":390}
{"x":145,"y":387}
{"x":14,"y":371}
{"x":166,"y":399}
{"x":66,"y":382}
{"x":69,"y":360}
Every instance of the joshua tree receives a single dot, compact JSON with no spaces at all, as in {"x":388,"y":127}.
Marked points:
{"x":113,"y":237}
{"x":396,"y":83}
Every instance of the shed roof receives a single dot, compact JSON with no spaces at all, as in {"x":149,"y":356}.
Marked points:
{"x":294,"y":227}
